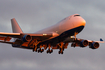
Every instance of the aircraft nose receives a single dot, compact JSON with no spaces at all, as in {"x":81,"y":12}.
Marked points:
{"x":79,"y":22}
{"x":83,"y":22}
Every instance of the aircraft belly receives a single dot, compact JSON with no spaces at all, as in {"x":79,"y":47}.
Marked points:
{"x":71,"y":32}
{"x":64,"y":35}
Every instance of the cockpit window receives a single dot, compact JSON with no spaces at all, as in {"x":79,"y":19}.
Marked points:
{"x":76,"y":15}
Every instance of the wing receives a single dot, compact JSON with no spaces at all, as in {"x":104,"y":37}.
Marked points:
{"x":83,"y":43}
{"x":101,"y":41}
{"x":6,"y":37}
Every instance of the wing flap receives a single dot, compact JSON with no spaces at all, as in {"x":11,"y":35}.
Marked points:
{"x":5,"y":38}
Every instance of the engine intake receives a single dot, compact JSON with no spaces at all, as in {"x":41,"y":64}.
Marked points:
{"x":27,"y":38}
{"x":94,"y":45}
{"x":84,"y":43}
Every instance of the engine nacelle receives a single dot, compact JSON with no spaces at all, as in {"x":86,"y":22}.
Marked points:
{"x":80,"y":43}
{"x":84,"y":43}
{"x":94,"y":45}
{"x":27,"y":38}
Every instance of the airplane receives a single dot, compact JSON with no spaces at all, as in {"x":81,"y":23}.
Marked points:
{"x":57,"y":36}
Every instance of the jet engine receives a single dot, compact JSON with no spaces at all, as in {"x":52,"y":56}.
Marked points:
{"x":80,"y":43}
{"x":27,"y":38}
{"x":84,"y":43}
{"x":94,"y":45}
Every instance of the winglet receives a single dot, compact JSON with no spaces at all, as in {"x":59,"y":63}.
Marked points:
{"x":101,"y":39}
{"x":15,"y":27}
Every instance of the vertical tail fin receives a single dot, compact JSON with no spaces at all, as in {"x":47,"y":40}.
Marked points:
{"x":15,"y":27}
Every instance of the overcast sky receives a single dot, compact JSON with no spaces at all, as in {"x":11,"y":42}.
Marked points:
{"x":33,"y":15}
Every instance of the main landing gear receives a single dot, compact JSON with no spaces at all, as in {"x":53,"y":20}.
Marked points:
{"x":61,"y":48}
{"x":49,"y":49}
{"x":60,"y":52}
{"x":35,"y":45}
{"x":38,"y":48}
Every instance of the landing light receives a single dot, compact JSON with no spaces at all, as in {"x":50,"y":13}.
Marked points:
{"x":44,"y":34}
{"x":71,"y":36}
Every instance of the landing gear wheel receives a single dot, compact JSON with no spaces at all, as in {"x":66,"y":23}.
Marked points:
{"x":51,"y":51}
{"x":62,"y":52}
{"x":39,"y":50}
{"x":35,"y":50}
{"x":48,"y":50}
{"x":63,"y":48}
{"x":59,"y":52}
{"x":42,"y":50}
{"x":73,"y":45}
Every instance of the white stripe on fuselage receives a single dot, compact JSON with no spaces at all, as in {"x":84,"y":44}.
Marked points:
{"x":65,"y":24}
